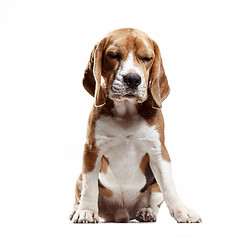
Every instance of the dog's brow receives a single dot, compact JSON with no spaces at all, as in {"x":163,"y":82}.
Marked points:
{"x":113,"y":49}
{"x":145,"y":53}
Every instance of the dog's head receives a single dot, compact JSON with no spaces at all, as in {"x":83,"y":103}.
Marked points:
{"x":130,"y":64}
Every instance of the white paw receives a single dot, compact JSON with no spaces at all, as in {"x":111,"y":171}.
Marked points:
{"x":85,"y":216}
{"x":184,"y":215}
{"x":145,"y":215}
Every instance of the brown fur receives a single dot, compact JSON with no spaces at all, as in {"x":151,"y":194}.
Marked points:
{"x":101,"y":64}
{"x":159,"y":84}
{"x":89,"y":158}
{"x":106,"y":192}
{"x":119,"y":42}
{"x":154,"y":188}
{"x":159,"y":205}
{"x":104,"y":165}
{"x":144,"y":163}
{"x":77,"y":191}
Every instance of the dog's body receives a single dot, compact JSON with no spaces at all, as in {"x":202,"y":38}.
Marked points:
{"x":126,"y":168}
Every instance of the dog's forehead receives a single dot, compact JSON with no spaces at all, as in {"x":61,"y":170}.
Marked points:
{"x":128,"y":39}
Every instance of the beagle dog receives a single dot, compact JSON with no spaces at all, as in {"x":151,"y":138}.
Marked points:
{"x":126,"y":169}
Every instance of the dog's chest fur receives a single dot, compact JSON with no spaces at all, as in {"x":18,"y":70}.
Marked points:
{"x":124,"y":142}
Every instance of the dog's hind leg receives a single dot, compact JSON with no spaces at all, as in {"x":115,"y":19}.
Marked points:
{"x":78,"y":186}
{"x":150,"y":211}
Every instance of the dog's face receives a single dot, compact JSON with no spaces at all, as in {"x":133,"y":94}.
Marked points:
{"x":126,"y":66}
{"x":130,"y":64}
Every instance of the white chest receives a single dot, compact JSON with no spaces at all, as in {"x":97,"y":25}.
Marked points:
{"x":125,"y":140}
{"x":124,"y":143}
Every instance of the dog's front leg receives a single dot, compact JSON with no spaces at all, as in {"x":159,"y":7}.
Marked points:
{"x":161,"y":167}
{"x":87,"y":211}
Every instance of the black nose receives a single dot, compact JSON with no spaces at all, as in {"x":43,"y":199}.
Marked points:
{"x":132,"y":80}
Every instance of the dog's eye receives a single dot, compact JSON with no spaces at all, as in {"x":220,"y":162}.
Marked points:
{"x":146,"y":59}
{"x":114,"y":56}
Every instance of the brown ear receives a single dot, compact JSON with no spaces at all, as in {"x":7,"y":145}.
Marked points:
{"x":159,"y":87}
{"x":92,"y":76}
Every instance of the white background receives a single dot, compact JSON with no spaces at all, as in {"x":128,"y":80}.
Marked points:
{"x":44,"y":48}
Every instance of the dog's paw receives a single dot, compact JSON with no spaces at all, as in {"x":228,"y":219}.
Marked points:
{"x":183,"y":214}
{"x":73,"y":211}
{"x":72,"y":214}
{"x":85,"y":216}
{"x":145,"y":215}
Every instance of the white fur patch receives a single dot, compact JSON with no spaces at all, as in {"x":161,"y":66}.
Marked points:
{"x":119,"y":87}
{"x":124,"y":143}
{"x":129,"y":66}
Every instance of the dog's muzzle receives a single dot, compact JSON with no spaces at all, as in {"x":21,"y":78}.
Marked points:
{"x":132,"y":80}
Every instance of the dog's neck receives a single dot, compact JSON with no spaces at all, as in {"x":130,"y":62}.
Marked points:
{"x":125,"y":109}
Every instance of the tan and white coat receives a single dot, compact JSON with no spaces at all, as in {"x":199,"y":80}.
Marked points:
{"x":126,"y":171}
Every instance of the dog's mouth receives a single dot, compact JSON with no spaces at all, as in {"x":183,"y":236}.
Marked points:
{"x":120,"y":93}
{"x":127,"y":93}
{"x":130,"y":95}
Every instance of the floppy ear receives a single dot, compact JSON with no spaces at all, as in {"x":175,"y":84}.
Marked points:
{"x":158,"y":80}
{"x":92,"y":76}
